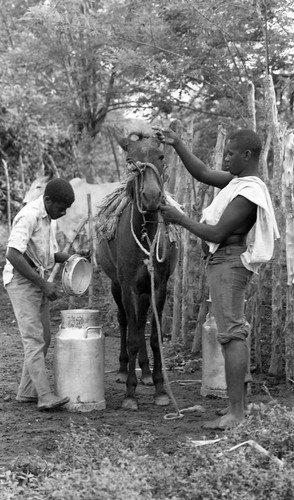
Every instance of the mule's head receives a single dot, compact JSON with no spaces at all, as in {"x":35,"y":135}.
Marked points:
{"x":146,"y":157}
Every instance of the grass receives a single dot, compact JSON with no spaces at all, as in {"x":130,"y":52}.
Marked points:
{"x":93,"y":464}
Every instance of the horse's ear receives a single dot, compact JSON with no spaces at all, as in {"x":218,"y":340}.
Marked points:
{"x":50,"y":166}
{"x":120,"y":138}
{"x":156,"y":142}
{"x":124,"y":143}
{"x":49,"y":173}
{"x":41,"y":171}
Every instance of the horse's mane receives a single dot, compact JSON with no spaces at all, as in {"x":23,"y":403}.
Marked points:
{"x":113,"y":204}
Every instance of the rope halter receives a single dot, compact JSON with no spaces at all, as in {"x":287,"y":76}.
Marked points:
{"x":137,"y":169}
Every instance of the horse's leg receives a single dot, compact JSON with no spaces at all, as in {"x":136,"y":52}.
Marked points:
{"x":122,"y":321}
{"x":160,"y":398}
{"x":131,"y":306}
{"x":146,"y":376}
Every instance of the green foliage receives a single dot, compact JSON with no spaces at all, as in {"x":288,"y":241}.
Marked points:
{"x":98,"y":463}
{"x":70,"y":66}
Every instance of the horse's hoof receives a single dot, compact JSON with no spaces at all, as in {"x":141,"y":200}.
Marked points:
{"x":121,"y":378}
{"x":161,"y":400}
{"x":147,"y":380}
{"x":129,"y":404}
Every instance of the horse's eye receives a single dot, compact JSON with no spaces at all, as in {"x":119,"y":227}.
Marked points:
{"x":161,"y":157}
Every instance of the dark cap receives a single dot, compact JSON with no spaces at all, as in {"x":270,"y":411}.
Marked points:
{"x":60,"y":190}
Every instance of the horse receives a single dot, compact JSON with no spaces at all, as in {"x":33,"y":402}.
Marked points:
{"x":141,"y":246}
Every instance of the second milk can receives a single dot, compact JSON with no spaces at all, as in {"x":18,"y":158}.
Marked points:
{"x":79,"y":360}
{"x":213,"y":363}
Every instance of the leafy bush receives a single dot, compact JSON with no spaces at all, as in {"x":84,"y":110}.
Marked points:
{"x":96,"y":464}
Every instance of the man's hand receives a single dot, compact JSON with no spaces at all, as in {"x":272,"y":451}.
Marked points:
{"x":166,"y":136}
{"x":50,"y":290}
{"x":171,"y":214}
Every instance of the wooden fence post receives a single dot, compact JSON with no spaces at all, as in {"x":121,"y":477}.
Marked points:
{"x":181,"y":184}
{"x":8,"y":194}
{"x":177,"y":277}
{"x":278,"y":132}
{"x":21,"y":171}
{"x":188,"y":272}
{"x":91,"y":245}
{"x":251,"y":105}
{"x":217,"y":161}
{"x":288,"y":179}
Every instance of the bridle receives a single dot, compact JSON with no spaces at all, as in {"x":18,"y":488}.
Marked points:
{"x":138,"y":169}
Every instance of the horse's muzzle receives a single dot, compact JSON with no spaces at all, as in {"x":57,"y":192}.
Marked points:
{"x":151,"y":199}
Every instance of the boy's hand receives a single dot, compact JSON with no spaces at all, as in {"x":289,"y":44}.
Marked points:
{"x":50,"y":290}
{"x":85,"y":253}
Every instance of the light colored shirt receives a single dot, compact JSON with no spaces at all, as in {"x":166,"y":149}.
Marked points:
{"x":260,"y":241}
{"x":33,"y":234}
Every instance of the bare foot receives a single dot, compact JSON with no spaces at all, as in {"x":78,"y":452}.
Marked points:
{"x":223,"y":411}
{"x":228,"y":421}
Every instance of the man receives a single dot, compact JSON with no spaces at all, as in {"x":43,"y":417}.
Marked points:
{"x":242,"y":204}
{"x":32,"y":252}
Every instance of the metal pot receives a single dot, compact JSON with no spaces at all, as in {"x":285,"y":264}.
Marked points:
{"x":76,"y":275}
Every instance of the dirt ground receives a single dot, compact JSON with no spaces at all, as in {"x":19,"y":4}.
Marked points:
{"x":26,"y":431}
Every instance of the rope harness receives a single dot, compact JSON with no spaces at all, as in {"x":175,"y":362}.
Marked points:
{"x":139,"y":184}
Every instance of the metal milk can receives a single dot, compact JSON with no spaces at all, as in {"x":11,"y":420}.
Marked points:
{"x":79,"y":358}
{"x":213,"y":381}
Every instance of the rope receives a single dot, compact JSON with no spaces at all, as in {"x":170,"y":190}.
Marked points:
{"x":138,"y":190}
{"x":161,"y":259}
{"x":154,"y":246}
{"x":150,"y":268}
{"x":134,"y":235}
{"x":179,"y":413}
{"x":141,"y":167}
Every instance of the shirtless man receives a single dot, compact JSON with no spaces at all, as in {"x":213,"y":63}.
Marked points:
{"x":224,"y":228}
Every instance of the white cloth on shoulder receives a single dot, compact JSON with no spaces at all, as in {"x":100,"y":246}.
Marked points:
{"x":261,"y":238}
